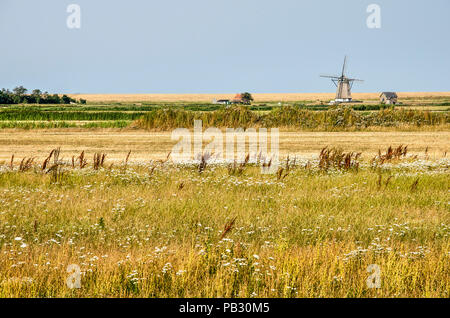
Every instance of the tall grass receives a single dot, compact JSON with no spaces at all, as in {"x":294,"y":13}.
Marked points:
{"x":296,"y":117}
{"x":159,"y":230}
{"x":173,"y":118}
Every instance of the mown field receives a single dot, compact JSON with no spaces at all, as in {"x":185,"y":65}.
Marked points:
{"x":156,"y":229}
{"x":150,"y":145}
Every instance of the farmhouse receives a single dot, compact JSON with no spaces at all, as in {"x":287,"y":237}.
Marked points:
{"x":241,"y":99}
{"x":222,"y":101}
{"x":238,"y":99}
{"x":244,"y":98}
{"x":388,"y":98}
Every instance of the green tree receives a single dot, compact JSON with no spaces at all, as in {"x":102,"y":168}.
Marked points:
{"x":19,"y":94}
{"x":247,"y":98}
{"x":37,"y":95}
{"x":54,"y":99}
{"x":66,"y":99}
{"x":20,"y":90}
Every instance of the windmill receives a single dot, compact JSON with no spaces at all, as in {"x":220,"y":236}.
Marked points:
{"x":344,"y":85}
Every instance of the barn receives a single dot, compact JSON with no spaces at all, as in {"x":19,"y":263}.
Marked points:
{"x":388,"y":98}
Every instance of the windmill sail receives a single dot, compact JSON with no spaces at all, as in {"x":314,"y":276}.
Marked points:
{"x":343,"y":66}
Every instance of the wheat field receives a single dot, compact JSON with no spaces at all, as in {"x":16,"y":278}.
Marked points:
{"x":259,"y":97}
{"x":146,"y":145}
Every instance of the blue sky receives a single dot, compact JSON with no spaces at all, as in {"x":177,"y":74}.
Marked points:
{"x":223,"y":46}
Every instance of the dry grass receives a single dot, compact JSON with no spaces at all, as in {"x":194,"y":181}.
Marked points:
{"x":338,"y":159}
{"x":259,"y":97}
{"x":309,"y":233}
{"x":154,"y":145}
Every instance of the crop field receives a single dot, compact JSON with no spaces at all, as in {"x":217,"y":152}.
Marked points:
{"x":92,"y":203}
{"x":431,"y":112}
{"x":157,"y":229}
{"x":261,"y":97}
{"x":147,"y":145}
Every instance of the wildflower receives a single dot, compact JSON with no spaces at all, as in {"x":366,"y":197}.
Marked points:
{"x":133,"y":273}
{"x":167,"y":268}
{"x":180,"y":272}
{"x":337,"y":278}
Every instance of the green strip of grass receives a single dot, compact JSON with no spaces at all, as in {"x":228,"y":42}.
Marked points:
{"x":26,"y":114}
{"x":63,"y":124}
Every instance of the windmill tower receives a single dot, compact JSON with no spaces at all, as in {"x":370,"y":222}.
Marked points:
{"x":344,"y":86}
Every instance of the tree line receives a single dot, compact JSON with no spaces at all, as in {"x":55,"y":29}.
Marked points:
{"x":19,"y":95}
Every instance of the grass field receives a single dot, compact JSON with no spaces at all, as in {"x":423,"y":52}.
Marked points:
{"x":296,"y":111}
{"x":159,"y":230}
{"x":113,"y":212}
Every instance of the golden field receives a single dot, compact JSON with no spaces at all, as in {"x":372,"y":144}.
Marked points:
{"x":155,"y":145}
{"x":259,"y":97}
